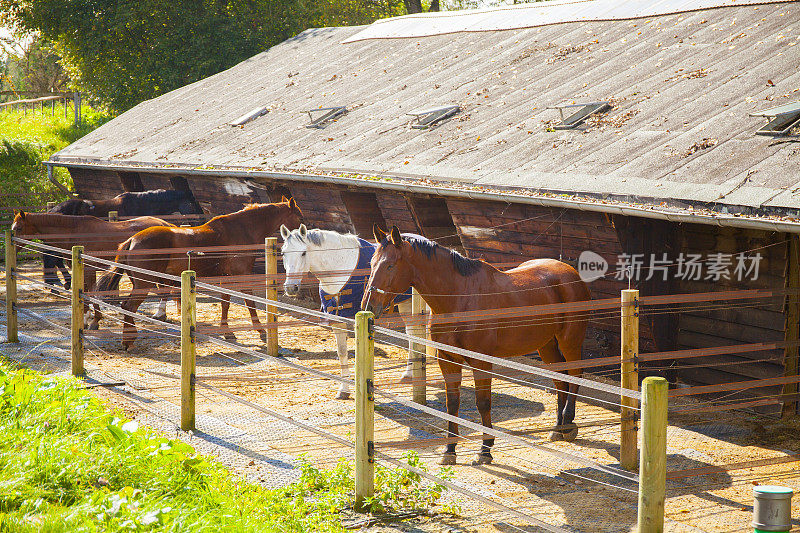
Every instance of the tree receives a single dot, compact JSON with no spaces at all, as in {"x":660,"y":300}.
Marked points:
{"x":31,"y":65}
{"x":415,"y":6}
{"x":122,"y":53}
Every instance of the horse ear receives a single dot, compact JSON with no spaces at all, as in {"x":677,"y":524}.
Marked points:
{"x":397,"y":240}
{"x":284,"y":199}
{"x":292,"y":203}
{"x":303,"y":231}
{"x":377,"y":232}
{"x":22,"y":215}
{"x":284,"y":232}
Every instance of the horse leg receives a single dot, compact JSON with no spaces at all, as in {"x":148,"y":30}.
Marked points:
{"x":550,"y":354}
{"x":570,"y":348}
{"x":64,"y":273}
{"x":161,"y":311}
{"x":452,"y":384}
{"x":483,"y":400}
{"x":131,"y":304}
{"x":223,"y":322}
{"x":91,"y":283}
{"x":408,"y":374}
{"x":341,"y":350}
{"x":251,"y":306}
{"x":49,"y":270}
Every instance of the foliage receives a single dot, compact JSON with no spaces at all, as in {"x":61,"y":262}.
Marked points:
{"x":27,"y":139}
{"x":31,"y":66}
{"x":70,"y":465}
{"x":125,"y":52}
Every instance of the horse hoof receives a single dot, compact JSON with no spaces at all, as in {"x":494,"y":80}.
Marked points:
{"x":406,"y":377}
{"x":570,"y":432}
{"x":343,"y":395}
{"x":161,"y":318}
{"x":127,"y":346}
{"x":230,"y":337}
{"x":94,"y":326}
{"x":482,"y":459}
{"x":448,"y":459}
{"x":556,"y":436}
{"x":67,"y":285}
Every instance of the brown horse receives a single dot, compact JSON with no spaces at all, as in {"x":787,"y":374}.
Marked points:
{"x":250,"y":225}
{"x":451,"y":283}
{"x":94,"y":234}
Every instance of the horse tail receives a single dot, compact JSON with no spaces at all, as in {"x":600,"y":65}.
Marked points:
{"x":110,"y":280}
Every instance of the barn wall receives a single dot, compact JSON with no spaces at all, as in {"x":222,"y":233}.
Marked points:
{"x":736,"y":323}
{"x":96,"y":184}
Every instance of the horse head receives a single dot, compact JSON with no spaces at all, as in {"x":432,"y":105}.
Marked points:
{"x":23,"y":225}
{"x":294,"y":216}
{"x":295,"y":257}
{"x":390,"y":271}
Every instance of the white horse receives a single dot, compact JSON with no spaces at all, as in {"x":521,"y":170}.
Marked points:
{"x":332,"y":258}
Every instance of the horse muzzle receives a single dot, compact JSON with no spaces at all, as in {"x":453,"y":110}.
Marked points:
{"x":291,"y":289}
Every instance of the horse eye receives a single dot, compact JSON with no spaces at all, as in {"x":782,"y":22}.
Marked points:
{"x":303,"y":254}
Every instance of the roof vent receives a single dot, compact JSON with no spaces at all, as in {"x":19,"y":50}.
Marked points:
{"x":583,"y":112}
{"x":249,"y":116}
{"x":430,"y":117}
{"x":782,"y":119}
{"x":329,"y":114}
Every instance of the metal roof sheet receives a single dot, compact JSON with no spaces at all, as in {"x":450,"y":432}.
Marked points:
{"x":682,"y":86}
{"x":531,"y":15}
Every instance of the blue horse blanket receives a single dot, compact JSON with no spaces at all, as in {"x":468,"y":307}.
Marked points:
{"x":347,"y":302}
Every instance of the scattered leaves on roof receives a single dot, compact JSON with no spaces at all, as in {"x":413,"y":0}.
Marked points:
{"x":707,"y":142}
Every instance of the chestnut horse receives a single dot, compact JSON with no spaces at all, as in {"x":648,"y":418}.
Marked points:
{"x":250,"y":225}
{"x":94,"y":234}
{"x":452,"y":283}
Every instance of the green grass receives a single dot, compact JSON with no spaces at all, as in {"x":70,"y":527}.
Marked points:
{"x":69,"y":464}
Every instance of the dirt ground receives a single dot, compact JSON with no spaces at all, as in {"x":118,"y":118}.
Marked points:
{"x":558,"y":491}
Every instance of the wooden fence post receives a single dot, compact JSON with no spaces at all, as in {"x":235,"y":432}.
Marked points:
{"x":653,"y":467}
{"x":77,"y":311}
{"x":76,"y":103}
{"x":365,"y":408}
{"x":188,"y":349}
{"x":113,"y":216}
{"x":418,"y":351}
{"x":12,"y":334}
{"x":271,"y":256}
{"x":629,"y":378}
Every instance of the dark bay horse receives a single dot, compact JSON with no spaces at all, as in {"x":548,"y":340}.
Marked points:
{"x":128,"y":204}
{"x":94,"y":234}
{"x":250,"y":225}
{"x":451,"y":283}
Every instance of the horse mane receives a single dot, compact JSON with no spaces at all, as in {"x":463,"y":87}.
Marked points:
{"x":318,"y":236}
{"x":156,"y":195}
{"x":463,"y":265}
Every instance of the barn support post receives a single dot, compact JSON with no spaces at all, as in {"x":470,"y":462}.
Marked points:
{"x":77,"y":311}
{"x":418,"y":351}
{"x":365,"y":408}
{"x":271,"y":256}
{"x":188,"y":349}
{"x":653,"y":467}
{"x":791,"y":364}
{"x":12,"y":335}
{"x":629,"y":378}
{"x":113,"y":216}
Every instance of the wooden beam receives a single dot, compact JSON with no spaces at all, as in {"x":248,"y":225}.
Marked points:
{"x":629,"y":378}
{"x":792,"y":331}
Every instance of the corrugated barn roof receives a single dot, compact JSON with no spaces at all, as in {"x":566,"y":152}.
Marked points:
{"x":681,"y":86}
